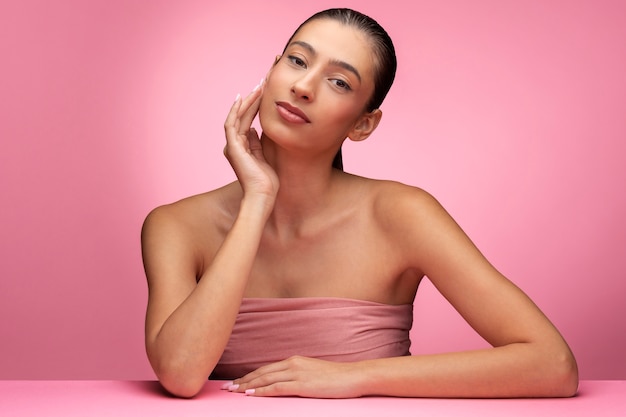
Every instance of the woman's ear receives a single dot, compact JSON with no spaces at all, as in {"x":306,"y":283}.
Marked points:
{"x":365,"y":125}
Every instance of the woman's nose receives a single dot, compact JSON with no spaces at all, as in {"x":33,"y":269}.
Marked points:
{"x":304,"y":87}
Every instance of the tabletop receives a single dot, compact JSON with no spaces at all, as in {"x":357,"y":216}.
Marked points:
{"x":147,"y":398}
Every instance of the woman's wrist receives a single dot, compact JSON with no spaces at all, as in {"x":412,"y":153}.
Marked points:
{"x":256,"y":207}
{"x":368,"y":377}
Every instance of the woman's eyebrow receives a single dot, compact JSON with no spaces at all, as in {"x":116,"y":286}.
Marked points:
{"x":335,"y":62}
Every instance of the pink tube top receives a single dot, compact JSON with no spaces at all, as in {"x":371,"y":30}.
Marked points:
{"x":268,"y":330}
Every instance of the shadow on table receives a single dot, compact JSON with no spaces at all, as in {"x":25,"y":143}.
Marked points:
{"x":155,"y":389}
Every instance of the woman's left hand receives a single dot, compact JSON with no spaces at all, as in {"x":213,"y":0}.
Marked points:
{"x":302,"y":377}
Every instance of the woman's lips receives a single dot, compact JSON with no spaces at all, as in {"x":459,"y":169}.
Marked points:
{"x":291,"y":113}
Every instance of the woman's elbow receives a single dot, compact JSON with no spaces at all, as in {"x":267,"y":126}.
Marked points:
{"x":183,"y":387}
{"x":563,"y":375}
{"x":177,"y":378}
{"x":571,"y":379}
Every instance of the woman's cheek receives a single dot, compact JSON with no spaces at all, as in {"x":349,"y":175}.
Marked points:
{"x":263,"y":112}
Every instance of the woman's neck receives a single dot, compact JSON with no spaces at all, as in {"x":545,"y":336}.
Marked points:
{"x":308,"y":187}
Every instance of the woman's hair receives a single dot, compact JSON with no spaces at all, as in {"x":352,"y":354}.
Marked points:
{"x":384,"y":53}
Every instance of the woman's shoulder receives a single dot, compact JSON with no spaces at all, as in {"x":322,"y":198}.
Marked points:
{"x":390,"y":198}
{"x":196,"y":213}
{"x":398,"y":206}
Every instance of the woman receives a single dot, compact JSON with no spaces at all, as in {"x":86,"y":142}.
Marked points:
{"x":298,"y":279}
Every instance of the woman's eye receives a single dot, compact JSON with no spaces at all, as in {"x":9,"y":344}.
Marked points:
{"x":297,"y":61}
{"x":341,"y":84}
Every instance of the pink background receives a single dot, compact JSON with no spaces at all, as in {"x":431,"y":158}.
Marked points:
{"x":513,"y":114}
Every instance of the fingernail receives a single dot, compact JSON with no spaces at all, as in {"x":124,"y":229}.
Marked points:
{"x":233,"y":387}
{"x":238,"y":97}
{"x":258,"y":85}
{"x":226,"y":385}
{"x":250,"y":391}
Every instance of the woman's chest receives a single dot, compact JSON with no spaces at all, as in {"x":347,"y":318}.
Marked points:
{"x":341,"y":265}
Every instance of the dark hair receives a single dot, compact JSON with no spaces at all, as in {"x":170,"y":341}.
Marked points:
{"x":384,"y":52}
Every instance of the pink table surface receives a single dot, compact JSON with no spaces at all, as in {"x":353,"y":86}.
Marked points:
{"x":146,"y":398}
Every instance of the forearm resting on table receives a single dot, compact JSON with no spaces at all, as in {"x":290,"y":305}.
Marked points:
{"x":190,"y":342}
{"x":516,"y":370}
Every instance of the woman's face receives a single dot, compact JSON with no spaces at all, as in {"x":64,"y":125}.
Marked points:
{"x":319,"y":88}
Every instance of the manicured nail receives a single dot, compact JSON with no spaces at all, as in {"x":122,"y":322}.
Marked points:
{"x":250,"y":391}
{"x":226,"y":385}
{"x":258,"y":85}
{"x":238,"y":97}
{"x":233,"y":387}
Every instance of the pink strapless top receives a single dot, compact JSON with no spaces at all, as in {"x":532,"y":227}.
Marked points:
{"x":268,"y":330}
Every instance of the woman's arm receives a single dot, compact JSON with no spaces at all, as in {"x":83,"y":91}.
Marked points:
{"x":187,"y":323}
{"x":529,"y":357}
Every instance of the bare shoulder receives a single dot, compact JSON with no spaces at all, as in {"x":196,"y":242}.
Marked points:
{"x":396,"y":203}
{"x":411,"y":218}
{"x":194,"y":213}
{"x":188,"y":229}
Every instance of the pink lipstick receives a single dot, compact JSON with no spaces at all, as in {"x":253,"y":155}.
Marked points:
{"x":291,"y":113}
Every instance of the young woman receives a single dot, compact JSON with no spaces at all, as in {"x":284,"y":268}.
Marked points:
{"x":299,"y":278}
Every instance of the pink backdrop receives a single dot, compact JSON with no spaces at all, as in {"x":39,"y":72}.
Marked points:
{"x":511,"y":113}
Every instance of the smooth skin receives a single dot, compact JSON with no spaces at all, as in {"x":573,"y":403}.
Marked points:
{"x":291,"y":226}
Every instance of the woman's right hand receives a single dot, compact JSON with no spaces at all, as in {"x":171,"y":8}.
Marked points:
{"x":243,"y":149}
